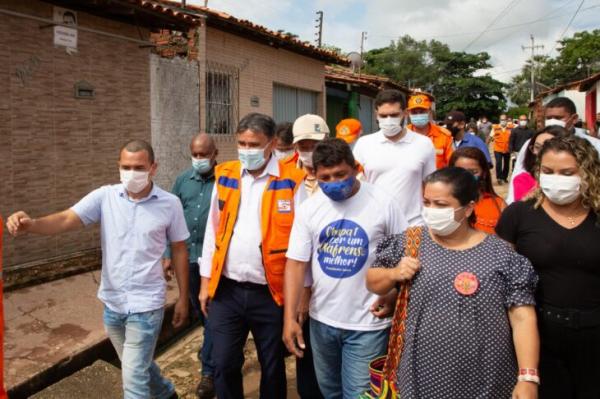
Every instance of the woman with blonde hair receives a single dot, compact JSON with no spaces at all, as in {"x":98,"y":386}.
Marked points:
{"x":558,"y":230}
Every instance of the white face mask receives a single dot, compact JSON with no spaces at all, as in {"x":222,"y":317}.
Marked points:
{"x":253,"y":158}
{"x":555,"y":122}
{"x":282,"y":154}
{"x":440,"y":220}
{"x":306,"y":158}
{"x":559,"y":189}
{"x":390,"y":126}
{"x":522,"y":123}
{"x":134,"y":180}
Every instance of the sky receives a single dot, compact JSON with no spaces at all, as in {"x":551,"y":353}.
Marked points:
{"x":499,"y":27}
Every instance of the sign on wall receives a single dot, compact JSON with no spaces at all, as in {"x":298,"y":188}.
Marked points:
{"x":65,"y":36}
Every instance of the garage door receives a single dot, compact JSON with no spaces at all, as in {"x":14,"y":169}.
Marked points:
{"x":290,"y":103}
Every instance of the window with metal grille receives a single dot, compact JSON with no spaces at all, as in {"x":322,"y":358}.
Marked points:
{"x":221,"y":98}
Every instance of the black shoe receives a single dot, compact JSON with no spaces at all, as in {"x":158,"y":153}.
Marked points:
{"x":206,"y":388}
{"x":174,"y":396}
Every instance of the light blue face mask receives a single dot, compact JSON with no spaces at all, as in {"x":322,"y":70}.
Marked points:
{"x":252,"y":159}
{"x":419,"y":120}
{"x":202,"y":165}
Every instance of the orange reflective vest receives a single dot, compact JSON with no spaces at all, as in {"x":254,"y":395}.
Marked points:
{"x":277,"y":215}
{"x":442,"y":142}
{"x":501,"y":138}
{"x":487,"y":212}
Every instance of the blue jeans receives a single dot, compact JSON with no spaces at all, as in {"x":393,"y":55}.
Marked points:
{"x":205,"y":352}
{"x":134,"y":337}
{"x":342,"y":358}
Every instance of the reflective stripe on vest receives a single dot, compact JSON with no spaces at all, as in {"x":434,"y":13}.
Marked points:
{"x":277,"y":216}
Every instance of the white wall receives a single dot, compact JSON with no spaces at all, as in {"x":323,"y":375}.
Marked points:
{"x":576,"y":96}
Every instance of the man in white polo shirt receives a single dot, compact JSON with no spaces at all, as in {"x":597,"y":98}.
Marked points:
{"x":395,"y":158}
{"x":338,"y":228}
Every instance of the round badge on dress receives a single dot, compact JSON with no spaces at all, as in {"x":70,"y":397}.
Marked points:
{"x":466,"y":283}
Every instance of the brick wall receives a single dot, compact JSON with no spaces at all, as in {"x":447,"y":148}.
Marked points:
{"x":53,"y":148}
{"x":260,"y":67}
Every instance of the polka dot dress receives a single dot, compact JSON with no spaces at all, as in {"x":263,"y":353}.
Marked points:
{"x":459,"y":345}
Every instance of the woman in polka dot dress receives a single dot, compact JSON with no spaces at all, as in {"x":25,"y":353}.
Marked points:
{"x":471,"y":328}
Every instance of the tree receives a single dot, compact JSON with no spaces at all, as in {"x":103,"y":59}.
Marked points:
{"x":454,"y":78}
{"x":578,"y":57}
{"x":332,"y":48}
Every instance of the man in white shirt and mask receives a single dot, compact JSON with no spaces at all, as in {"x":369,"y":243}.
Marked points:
{"x":561,"y":111}
{"x":335,"y":233}
{"x":395,"y":158}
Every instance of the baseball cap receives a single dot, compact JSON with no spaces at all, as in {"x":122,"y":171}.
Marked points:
{"x":348,"y":130}
{"x":310,"y":127}
{"x":454,"y":116}
{"x":419,"y":101}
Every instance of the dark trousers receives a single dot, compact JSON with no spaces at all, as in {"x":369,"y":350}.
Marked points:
{"x":308,"y":387}
{"x":569,"y":362}
{"x":239,"y":308}
{"x":502,"y":165}
{"x":204,"y":353}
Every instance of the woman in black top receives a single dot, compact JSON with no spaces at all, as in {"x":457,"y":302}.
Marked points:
{"x":559,"y":231}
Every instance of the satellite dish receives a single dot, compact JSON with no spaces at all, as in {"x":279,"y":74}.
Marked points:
{"x":356,"y":61}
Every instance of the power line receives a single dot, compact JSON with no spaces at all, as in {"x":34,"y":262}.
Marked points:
{"x":498,"y":17}
{"x":567,"y":28}
{"x":527,"y":23}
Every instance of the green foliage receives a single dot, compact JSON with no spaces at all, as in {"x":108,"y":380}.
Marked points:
{"x":454,"y":78}
{"x":577,"y":58}
{"x":332,"y":48}
{"x":515,"y":112}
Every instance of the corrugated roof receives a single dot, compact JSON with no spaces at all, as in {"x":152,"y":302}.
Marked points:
{"x":235,"y":25}
{"x":375,"y":82}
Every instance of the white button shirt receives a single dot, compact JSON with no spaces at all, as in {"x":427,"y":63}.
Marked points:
{"x":244,"y":261}
{"x":133,"y":235}
{"x":398,"y":168}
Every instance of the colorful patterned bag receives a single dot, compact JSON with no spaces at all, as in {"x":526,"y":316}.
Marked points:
{"x":383,"y":370}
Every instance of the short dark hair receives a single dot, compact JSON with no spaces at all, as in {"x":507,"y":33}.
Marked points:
{"x":137,"y":146}
{"x":464,"y":185}
{"x":563,"y":102}
{"x":530,"y":159}
{"x":257,"y":123}
{"x":389,"y":96}
{"x":283,"y":131}
{"x":332,"y":152}
{"x":485,"y":182}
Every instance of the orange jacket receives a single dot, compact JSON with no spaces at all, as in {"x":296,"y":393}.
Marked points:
{"x":487,"y":212}
{"x":501,"y":138}
{"x":277,"y":215}
{"x":442,"y":141}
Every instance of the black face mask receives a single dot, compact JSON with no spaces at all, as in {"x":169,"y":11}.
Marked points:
{"x":455,"y":130}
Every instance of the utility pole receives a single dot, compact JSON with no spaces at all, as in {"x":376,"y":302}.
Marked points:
{"x":533,"y":47}
{"x":319,"y":26}
{"x":363,"y":39}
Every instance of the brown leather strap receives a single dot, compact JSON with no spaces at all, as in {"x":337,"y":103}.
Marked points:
{"x":396,"y":343}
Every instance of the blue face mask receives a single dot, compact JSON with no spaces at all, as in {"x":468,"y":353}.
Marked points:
{"x":252,"y":159}
{"x":419,"y":120}
{"x":338,"y":190}
{"x":202,"y":165}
